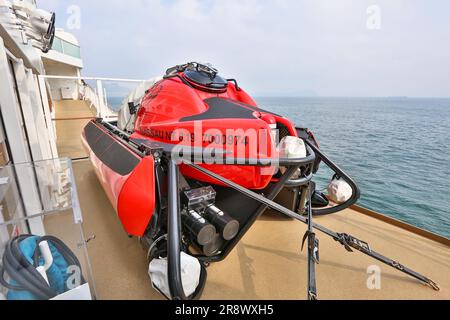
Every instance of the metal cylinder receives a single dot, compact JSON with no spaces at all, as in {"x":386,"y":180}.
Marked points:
{"x":225,"y":225}
{"x":213,"y":248}
{"x":201,"y":231}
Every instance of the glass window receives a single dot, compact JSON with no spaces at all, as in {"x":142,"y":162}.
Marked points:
{"x":71,"y":49}
{"x":66,"y":48}
{"x":57,"y":45}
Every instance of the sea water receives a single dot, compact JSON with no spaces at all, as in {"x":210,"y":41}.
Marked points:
{"x":397,"y":150}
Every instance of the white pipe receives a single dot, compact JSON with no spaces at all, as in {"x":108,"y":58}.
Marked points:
{"x":46,"y":254}
{"x":42,"y":272}
{"x":105,"y":96}
{"x":91,"y":78}
{"x":48,"y":260}
{"x":101,"y":99}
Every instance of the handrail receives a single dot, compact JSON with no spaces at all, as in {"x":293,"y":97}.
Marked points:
{"x":356,"y":193}
{"x":92,"y":78}
{"x":97,"y":98}
{"x":174,"y":236}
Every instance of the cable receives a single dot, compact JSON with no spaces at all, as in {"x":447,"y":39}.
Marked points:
{"x":25,"y":274}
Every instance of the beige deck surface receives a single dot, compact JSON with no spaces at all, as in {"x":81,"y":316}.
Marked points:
{"x":268,"y":263}
{"x":68,"y":145}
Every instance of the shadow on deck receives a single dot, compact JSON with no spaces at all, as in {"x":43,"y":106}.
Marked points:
{"x":268,"y":263}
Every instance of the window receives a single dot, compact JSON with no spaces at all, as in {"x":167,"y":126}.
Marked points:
{"x":57,"y":45}
{"x":67,"y":48}
{"x":71,"y":49}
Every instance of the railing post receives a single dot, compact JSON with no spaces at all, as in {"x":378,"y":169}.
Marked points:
{"x":174,"y":236}
{"x":101,"y":100}
{"x":105,"y":97}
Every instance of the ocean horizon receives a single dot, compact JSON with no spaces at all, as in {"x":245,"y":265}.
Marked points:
{"x":394,"y":147}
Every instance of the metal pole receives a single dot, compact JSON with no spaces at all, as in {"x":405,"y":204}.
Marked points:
{"x":101,"y":100}
{"x":313,"y":250}
{"x":92,"y":78}
{"x":348,"y":241}
{"x":174,"y":236}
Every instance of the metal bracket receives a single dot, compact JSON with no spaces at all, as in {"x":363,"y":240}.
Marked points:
{"x":313,"y":296}
{"x":155,"y":152}
{"x":86,"y":242}
{"x":398,"y":265}
{"x":350,"y":242}
{"x":433,"y":285}
{"x":313,"y":245}
{"x":316,"y":255}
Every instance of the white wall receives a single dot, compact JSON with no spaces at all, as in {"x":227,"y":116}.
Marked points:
{"x":70,"y":88}
{"x":15,"y":127}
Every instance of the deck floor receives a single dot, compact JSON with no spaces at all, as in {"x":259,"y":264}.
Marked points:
{"x":69,"y":126}
{"x":268,"y":263}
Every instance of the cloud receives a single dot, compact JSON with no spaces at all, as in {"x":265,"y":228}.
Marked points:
{"x":278,"y":47}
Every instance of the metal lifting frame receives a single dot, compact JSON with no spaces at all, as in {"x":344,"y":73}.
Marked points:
{"x":349,"y":242}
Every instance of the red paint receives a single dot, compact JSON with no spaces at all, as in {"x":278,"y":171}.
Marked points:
{"x":132,"y":195}
{"x":136,"y":203}
{"x":159,"y":117}
{"x":171,"y":100}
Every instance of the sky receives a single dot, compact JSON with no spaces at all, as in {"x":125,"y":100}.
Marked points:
{"x":373,"y":48}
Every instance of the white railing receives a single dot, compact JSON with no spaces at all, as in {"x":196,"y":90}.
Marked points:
{"x":97,"y":98}
{"x":90,"y":95}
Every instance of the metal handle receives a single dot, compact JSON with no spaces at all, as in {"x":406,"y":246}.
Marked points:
{"x":356,"y":193}
{"x":174,"y":236}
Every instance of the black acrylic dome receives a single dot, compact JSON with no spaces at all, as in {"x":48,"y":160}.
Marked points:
{"x":206,"y":79}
